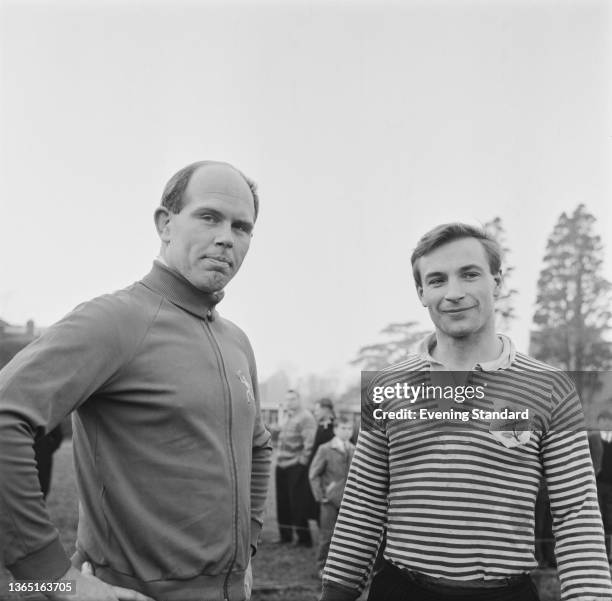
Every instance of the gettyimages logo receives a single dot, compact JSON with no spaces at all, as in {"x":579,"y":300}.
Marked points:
{"x":508,"y":404}
{"x":412,"y":393}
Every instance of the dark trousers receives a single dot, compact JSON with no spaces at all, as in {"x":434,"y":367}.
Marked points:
{"x":292,"y":503}
{"x":327,"y":522}
{"x":392,"y":584}
{"x":604,"y":494}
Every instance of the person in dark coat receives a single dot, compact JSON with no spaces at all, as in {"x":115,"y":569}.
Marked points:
{"x":43,"y":449}
{"x":325,"y":417}
{"x":601,"y":450}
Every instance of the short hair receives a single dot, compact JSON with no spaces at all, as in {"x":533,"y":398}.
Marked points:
{"x":174,"y":191}
{"x":605,"y":414}
{"x":325,"y":403}
{"x":449,"y":232}
{"x":344,"y":419}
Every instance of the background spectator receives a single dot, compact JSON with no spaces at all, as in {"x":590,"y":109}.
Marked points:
{"x":328,"y":473}
{"x":292,"y":490}
{"x":604,"y":477}
{"x":324,"y":414}
{"x":43,"y":449}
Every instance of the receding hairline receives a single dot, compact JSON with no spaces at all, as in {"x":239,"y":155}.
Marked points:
{"x":173,"y":196}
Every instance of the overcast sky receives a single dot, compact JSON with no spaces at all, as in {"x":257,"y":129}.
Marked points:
{"x":363,"y":124}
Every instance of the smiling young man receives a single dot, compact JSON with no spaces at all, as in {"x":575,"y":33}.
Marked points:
{"x":457,"y":499}
{"x":172,"y":457}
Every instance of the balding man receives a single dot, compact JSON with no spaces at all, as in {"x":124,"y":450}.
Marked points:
{"x":172,"y":457}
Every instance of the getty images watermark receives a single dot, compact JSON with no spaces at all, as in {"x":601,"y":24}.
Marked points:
{"x":458,"y":394}
{"x":511,"y":404}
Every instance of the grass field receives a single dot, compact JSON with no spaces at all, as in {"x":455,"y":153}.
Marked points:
{"x":281,"y":573}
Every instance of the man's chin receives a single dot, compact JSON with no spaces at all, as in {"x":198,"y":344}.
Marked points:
{"x":459,"y":332}
{"x":209,"y":284}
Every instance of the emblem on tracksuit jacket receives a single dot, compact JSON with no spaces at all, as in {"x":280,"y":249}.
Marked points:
{"x":247,"y":384}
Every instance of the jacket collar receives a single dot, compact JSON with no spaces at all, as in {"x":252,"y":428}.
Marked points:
{"x":504,"y":360}
{"x":337,"y":444}
{"x":179,"y":291}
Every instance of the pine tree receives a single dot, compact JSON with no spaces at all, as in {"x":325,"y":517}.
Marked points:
{"x":504,"y":303}
{"x":400,"y":341}
{"x":572,"y":313}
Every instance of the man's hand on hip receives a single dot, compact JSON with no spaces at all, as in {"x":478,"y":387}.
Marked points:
{"x":90,"y":588}
{"x":248,"y":582}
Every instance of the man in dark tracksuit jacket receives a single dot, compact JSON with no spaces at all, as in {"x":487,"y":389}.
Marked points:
{"x":172,"y":457}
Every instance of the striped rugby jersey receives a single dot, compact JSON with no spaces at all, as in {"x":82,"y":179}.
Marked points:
{"x":457,"y":503}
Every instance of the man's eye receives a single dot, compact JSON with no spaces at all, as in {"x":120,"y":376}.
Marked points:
{"x":435,"y":281}
{"x":209,"y":217}
{"x":471,"y":274}
{"x":244,"y":227}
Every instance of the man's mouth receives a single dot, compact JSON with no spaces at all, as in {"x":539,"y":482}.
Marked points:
{"x":458,"y":310}
{"x":219,"y":260}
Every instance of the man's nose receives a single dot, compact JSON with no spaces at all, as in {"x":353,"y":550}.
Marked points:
{"x":225,"y":236}
{"x":454,"y":290}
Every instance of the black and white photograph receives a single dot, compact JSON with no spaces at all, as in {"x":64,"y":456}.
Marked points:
{"x":306,"y":300}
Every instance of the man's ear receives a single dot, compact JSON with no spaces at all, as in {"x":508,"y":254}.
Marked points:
{"x":162,"y":223}
{"x":419,"y":285}
{"x":499,"y":280}
{"x":420,"y":293}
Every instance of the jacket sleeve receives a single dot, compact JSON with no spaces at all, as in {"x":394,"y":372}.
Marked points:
{"x":315,"y":473}
{"x":583,"y":568}
{"x":38,"y":388}
{"x":262,"y":462}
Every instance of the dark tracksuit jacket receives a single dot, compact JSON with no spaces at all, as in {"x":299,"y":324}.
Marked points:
{"x":172,"y":457}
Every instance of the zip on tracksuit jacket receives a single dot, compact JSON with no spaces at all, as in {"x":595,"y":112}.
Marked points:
{"x":172,"y":457}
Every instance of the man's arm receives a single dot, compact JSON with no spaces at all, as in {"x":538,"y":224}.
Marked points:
{"x":317,"y":467}
{"x":262,"y":463}
{"x":38,"y":388}
{"x":361,"y":519}
{"x":580,"y":551}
